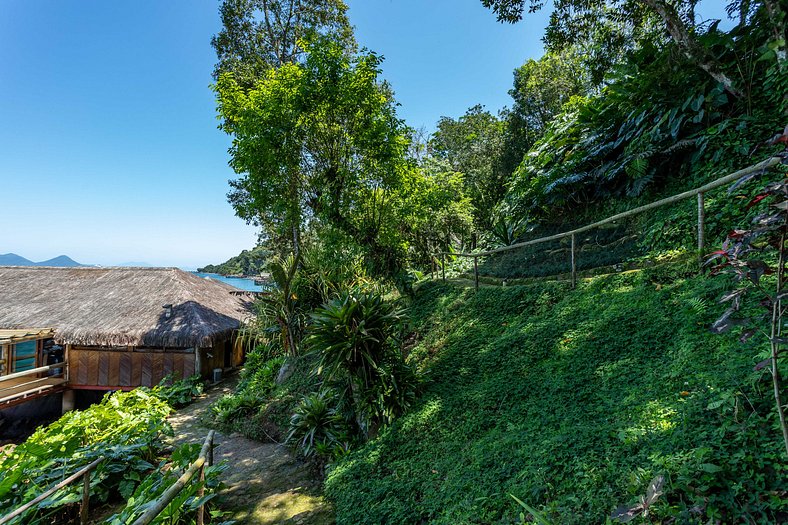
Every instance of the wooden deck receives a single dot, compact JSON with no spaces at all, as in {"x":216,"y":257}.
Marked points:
{"x":18,"y":388}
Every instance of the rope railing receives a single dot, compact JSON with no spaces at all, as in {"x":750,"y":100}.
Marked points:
{"x":83,"y":473}
{"x":156,"y":507}
{"x":697,"y":192}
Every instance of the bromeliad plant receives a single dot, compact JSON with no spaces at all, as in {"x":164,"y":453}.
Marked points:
{"x":749,"y":255}
{"x":354,"y":336}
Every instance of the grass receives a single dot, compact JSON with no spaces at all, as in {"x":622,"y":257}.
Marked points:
{"x":572,"y":401}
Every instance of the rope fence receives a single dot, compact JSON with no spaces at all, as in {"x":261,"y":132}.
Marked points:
{"x":698,"y":193}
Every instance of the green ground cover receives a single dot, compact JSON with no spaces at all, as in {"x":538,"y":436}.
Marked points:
{"x":572,"y":401}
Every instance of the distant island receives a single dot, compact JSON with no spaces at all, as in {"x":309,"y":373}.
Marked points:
{"x":247,"y":263}
{"x":12,"y":259}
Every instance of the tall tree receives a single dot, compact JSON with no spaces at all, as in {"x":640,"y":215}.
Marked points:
{"x":573,"y":19}
{"x":258,"y":35}
{"x":541,"y":88}
{"x":319,"y":140}
{"x":472,"y":146}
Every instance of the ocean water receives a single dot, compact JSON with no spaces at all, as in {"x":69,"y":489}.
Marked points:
{"x":237,"y":282}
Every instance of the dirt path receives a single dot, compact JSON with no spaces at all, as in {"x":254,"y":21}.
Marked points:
{"x":264,"y":483}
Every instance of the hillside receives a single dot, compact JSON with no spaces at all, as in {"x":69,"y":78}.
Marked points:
{"x":573,"y":400}
{"x":248,"y":262}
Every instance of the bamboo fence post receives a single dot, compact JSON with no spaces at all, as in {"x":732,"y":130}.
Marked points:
{"x":200,"y":494}
{"x":701,"y":226}
{"x":83,"y":511}
{"x":476,"y":272}
{"x":574,"y":263}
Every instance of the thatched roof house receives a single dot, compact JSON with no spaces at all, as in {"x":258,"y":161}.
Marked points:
{"x":153,"y":310}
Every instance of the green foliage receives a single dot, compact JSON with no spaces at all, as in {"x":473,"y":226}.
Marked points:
{"x":613,"y":147}
{"x":180,"y":510}
{"x":572,"y":400}
{"x":179,"y":393}
{"x":124,"y":428}
{"x":318,"y":139}
{"x":248,"y":262}
{"x":354,"y":335}
{"x":258,"y":35}
{"x":472,"y":145}
{"x":317,"y":428}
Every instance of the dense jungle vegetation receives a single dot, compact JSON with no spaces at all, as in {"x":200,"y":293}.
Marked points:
{"x":125,"y":432}
{"x":536,"y":402}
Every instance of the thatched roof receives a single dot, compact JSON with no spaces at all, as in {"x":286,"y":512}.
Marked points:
{"x":120,"y":306}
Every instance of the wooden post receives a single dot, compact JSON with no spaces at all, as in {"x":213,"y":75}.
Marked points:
{"x":443,"y":266}
{"x":83,"y":511}
{"x":574,"y":263}
{"x":200,"y":494}
{"x":476,"y":272}
{"x":701,"y":221}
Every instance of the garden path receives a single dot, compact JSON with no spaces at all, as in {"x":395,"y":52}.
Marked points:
{"x":265,"y":484}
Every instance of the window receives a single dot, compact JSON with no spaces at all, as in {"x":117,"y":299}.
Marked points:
{"x":25,"y":356}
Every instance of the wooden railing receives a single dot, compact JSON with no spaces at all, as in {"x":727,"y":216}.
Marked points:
{"x":697,"y":192}
{"x":156,"y":507}
{"x":83,"y":473}
{"x":11,"y":389}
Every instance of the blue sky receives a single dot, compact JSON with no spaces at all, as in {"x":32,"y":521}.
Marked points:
{"x":109,"y":151}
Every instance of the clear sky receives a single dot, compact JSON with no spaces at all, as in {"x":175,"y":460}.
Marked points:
{"x":109,"y":151}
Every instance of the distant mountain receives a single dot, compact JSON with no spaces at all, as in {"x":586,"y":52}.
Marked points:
{"x":60,"y":260}
{"x":12,"y":259}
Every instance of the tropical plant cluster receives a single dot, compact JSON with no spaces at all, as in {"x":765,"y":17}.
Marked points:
{"x":125,"y":428}
{"x":347,"y":379}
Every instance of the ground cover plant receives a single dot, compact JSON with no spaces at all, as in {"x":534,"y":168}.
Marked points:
{"x":574,"y":401}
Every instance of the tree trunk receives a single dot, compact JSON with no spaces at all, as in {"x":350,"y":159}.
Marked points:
{"x":691,"y":48}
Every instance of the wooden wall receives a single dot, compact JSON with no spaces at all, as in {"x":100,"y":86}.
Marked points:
{"x":114,"y":368}
{"x":101,"y":368}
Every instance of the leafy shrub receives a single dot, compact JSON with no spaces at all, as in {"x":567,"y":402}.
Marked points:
{"x":180,"y":511}
{"x":181,"y":392}
{"x":354,"y":337}
{"x":316,"y":427}
{"x":231,"y":407}
{"x":124,"y":427}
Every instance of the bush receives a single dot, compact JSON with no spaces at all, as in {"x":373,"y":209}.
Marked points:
{"x":316,"y":427}
{"x":125,"y":428}
{"x":355,"y":338}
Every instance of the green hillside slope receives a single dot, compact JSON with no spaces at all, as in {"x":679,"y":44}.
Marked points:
{"x":573,"y":400}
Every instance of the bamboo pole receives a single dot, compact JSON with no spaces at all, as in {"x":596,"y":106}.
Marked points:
{"x":200,"y":494}
{"x":82,"y":472}
{"x":476,"y":272}
{"x":574,"y":265}
{"x":166,"y":498}
{"x":33,"y":371}
{"x":83,"y":511}
{"x":701,"y":225}
{"x":761,"y":166}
